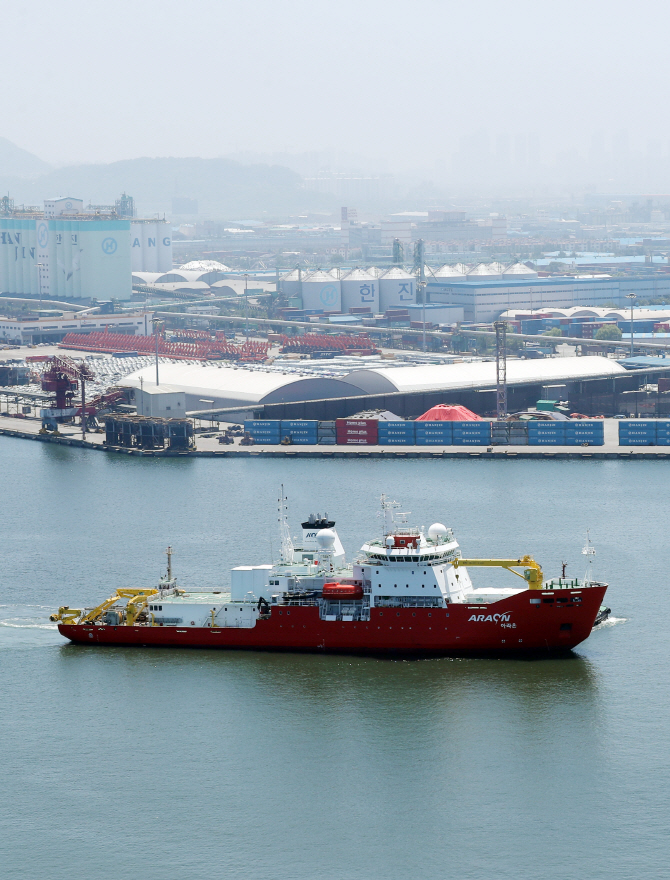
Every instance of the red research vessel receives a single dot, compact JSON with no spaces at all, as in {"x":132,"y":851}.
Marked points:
{"x":407,"y":592}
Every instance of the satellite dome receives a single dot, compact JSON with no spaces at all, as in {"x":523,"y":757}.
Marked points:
{"x":389,"y":541}
{"x":437,"y":531}
{"x":325,"y":538}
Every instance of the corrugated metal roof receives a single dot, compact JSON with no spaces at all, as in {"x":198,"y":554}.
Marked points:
{"x":453,"y":376}
{"x":180,"y":275}
{"x":241,"y":385}
{"x":206,"y":266}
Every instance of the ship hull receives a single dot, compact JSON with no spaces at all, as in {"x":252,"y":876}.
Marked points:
{"x":518,"y":625}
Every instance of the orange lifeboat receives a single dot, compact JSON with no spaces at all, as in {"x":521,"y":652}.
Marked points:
{"x":342,"y":591}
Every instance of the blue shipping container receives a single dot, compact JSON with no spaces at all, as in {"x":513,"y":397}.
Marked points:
{"x":258,"y":423}
{"x":636,"y":441}
{"x":433,"y":440}
{"x":304,"y":423}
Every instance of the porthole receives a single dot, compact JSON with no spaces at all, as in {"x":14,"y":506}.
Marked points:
{"x":397,"y":614}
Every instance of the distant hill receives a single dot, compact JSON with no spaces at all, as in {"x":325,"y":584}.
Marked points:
{"x":223,"y":188}
{"x":16,"y":162}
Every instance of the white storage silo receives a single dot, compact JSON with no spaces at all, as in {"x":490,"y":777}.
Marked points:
{"x":136,"y":256}
{"x":291,"y":284}
{"x":360,"y":290}
{"x":486,"y":272}
{"x":450,"y":272}
{"x":164,"y":245}
{"x":149,"y":247}
{"x":321,"y":292}
{"x":397,"y":288}
{"x":519,"y":270}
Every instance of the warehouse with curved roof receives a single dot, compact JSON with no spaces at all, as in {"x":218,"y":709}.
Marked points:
{"x":219,"y":386}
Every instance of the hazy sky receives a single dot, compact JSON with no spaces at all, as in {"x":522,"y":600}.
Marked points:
{"x":85,"y":80}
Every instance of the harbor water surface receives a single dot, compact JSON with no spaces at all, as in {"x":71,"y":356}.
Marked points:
{"x":120,"y":764}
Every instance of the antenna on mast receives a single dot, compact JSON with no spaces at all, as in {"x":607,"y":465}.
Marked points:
{"x":284,"y":531}
{"x":589,"y":551}
{"x":391,"y":518}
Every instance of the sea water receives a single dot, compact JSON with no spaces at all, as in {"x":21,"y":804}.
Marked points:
{"x":164,"y":764}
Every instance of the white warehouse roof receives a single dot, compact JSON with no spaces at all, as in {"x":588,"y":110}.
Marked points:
{"x":223,"y":386}
{"x":447,"y":377}
{"x":230,"y":386}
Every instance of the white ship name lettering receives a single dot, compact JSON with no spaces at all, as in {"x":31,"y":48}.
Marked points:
{"x":491,"y":618}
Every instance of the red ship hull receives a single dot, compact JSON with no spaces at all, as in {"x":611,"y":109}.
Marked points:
{"x":511,"y":626}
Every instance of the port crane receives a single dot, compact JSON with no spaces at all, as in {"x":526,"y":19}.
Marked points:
{"x":62,"y":378}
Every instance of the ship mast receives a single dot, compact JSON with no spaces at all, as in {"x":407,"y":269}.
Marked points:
{"x":589,"y":551}
{"x":391,"y":517}
{"x":387,"y":512}
{"x":284,"y":531}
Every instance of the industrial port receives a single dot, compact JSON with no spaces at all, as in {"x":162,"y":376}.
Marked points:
{"x":105,"y":342}
{"x":205,"y":393}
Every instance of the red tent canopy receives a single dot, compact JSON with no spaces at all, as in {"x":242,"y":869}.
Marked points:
{"x":445,"y":413}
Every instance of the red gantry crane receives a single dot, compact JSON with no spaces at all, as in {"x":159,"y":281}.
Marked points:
{"x":62,"y":378}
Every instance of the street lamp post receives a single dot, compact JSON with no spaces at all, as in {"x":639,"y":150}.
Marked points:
{"x":246,"y":306}
{"x":631,"y":297}
{"x":156,"y":331}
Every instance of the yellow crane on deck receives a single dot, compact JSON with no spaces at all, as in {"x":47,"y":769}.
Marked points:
{"x":137,"y":599}
{"x":532,"y":570}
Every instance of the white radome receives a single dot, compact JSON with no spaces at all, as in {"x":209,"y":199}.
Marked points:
{"x":325,"y":538}
{"x":437,"y":531}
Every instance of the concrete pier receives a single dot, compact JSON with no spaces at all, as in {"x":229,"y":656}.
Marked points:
{"x":209,"y":447}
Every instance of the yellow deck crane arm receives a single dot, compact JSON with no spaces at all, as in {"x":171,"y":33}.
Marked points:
{"x":532,"y":570}
{"x":137,"y":598}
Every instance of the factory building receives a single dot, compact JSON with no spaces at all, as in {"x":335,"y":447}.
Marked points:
{"x":214,"y":387}
{"x":68,"y":254}
{"x":28,"y":331}
{"x":485,"y":299}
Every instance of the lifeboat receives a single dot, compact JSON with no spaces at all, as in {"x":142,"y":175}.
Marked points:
{"x":342,"y":591}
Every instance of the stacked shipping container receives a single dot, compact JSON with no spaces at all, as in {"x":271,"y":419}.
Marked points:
{"x":644,"y":433}
{"x":370,"y":432}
